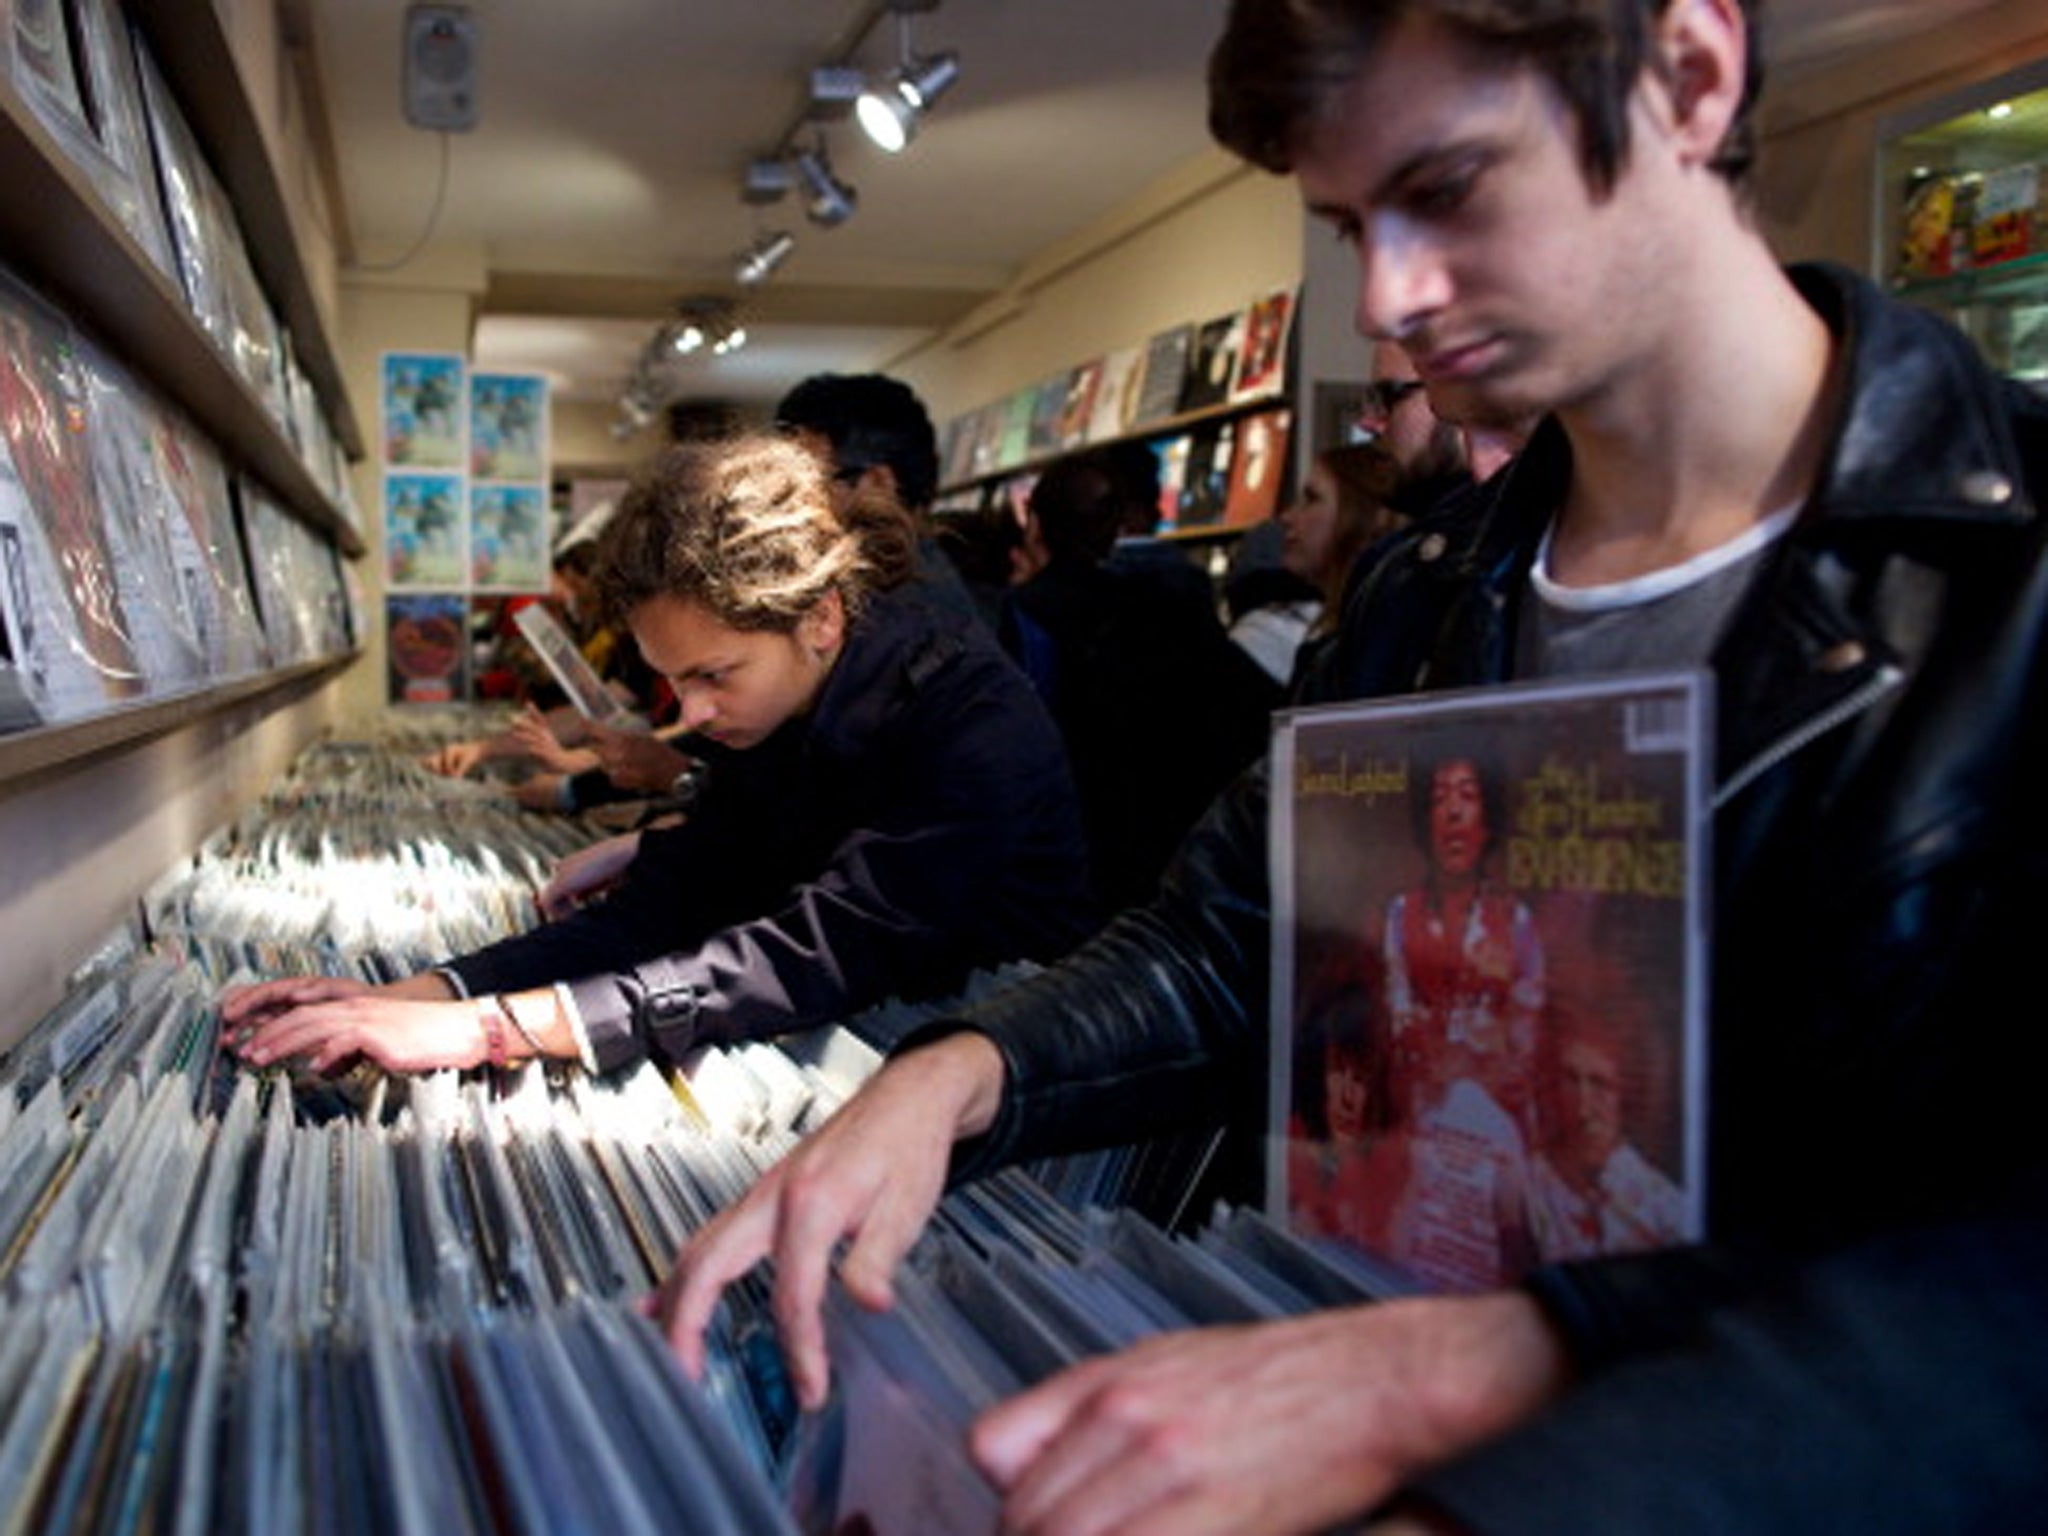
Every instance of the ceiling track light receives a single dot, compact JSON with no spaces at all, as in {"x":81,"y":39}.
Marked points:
{"x":758,"y":262}
{"x":890,"y":114}
{"x":828,"y":200}
{"x":768,"y":180}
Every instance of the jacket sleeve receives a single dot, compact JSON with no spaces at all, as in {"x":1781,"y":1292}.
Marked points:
{"x":908,"y":901}
{"x":1898,"y":1385}
{"x":1144,"y":1030}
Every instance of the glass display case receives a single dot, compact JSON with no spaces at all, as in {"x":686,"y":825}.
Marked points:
{"x":1962,"y":213}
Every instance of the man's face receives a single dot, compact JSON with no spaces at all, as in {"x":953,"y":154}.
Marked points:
{"x":1400,"y":416}
{"x":1589,"y":1104}
{"x":1457,"y":819}
{"x":1481,"y":249}
{"x":737,"y":687}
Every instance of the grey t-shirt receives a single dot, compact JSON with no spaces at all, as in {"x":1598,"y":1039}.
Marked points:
{"x":1668,"y":619}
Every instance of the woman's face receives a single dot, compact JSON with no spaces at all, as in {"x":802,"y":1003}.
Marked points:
{"x":1308,"y":528}
{"x":738,"y":687}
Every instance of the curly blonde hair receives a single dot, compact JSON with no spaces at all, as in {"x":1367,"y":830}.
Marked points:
{"x":746,"y":528}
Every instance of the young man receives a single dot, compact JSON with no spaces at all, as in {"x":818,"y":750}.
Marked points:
{"x":1828,"y":499}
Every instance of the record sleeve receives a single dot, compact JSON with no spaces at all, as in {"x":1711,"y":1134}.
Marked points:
{"x":71,"y":634}
{"x":508,"y":538}
{"x":426,"y":649}
{"x":1164,"y":376}
{"x":422,"y":398}
{"x":1258,"y":464}
{"x":508,"y":427}
{"x":1262,"y":357}
{"x":185,"y":177}
{"x":1212,"y":362}
{"x":206,"y":547}
{"x":1048,"y":411}
{"x":1489,"y":990}
{"x":43,"y":70}
{"x":584,"y":688}
{"x":425,"y":530}
{"x":1114,"y":409}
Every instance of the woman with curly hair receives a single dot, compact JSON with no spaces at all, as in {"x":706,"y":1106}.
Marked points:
{"x":884,"y":807}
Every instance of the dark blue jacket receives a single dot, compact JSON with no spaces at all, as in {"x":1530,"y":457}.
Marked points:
{"x":918,"y":824}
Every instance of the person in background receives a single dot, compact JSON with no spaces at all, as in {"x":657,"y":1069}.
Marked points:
{"x":876,"y":438}
{"x":885,"y":807}
{"x":1347,"y":502}
{"x":1819,"y":493}
{"x":1157,"y":709}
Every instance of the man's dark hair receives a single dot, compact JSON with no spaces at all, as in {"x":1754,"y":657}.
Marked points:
{"x":1493,"y":800}
{"x":1079,"y":505}
{"x":1279,"y":63}
{"x":869,"y":419}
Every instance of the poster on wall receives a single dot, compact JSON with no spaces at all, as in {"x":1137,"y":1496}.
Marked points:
{"x":508,"y":417}
{"x":422,"y":410}
{"x":423,"y":531}
{"x":427,"y":648}
{"x":508,"y":538}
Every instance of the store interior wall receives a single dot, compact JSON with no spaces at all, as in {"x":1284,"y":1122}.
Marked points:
{"x":84,"y":840}
{"x":1209,"y":238}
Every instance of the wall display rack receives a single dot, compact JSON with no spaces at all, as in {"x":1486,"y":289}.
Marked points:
{"x":1188,"y":392}
{"x":1961,"y":202}
{"x":63,"y":235}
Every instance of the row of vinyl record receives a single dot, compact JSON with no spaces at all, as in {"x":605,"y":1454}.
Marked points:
{"x":133,"y":565}
{"x":1236,"y":358}
{"x":89,"y":79}
{"x":268,"y":1302}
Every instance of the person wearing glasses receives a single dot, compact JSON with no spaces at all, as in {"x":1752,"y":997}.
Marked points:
{"x":1780,"y":474}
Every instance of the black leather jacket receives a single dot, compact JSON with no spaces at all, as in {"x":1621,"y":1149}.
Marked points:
{"x":1878,"y":1051}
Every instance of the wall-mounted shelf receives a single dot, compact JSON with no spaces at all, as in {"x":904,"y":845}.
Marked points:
{"x":57,"y":232}
{"x":25,"y":754}
{"x":186,"y":40}
{"x":1165,"y":426}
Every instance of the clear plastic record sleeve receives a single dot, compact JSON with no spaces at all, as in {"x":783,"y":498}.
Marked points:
{"x":585,"y":689}
{"x":1489,"y":984}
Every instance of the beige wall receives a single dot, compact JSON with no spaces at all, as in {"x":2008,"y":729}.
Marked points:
{"x":85,"y":840}
{"x":1820,"y":130}
{"x":1209,"y":238}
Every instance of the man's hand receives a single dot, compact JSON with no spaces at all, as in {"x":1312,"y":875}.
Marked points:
{"x":873,"y":1173}
{"x":455,"y":760}
{"x":408,"y":1026}
{"x":637,"y":761}
{"x":1274,"y":1427}
{"x":587,"y":872}
{"x":532,"y":734}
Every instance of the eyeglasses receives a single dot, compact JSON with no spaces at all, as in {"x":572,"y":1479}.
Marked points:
{"x":1379,"y":398}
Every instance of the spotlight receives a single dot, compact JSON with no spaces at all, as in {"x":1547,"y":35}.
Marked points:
{"x":831,"y":201}
{"x":891,"y":114}
{"x":760,"y":260}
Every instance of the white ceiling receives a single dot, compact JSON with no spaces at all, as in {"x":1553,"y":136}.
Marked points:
{"x":602,"y":181}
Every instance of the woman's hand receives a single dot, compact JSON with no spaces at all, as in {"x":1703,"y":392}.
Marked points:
{"x":322,"y":1021}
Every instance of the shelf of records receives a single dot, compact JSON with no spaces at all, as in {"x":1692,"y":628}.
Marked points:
{"x":114,"y":210}
{"x":239,"y":1301}
{"x":134,"y":566}
{"x":1208,"y":399}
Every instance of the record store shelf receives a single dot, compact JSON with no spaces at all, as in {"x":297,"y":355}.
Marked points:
{"x":24,"y":754}
{"x":56,"y":231}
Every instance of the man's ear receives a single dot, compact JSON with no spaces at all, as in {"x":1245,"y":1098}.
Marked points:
{"x":1704,"y":47}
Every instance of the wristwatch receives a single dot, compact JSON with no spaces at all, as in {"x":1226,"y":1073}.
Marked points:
{"x":688,"y":784}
